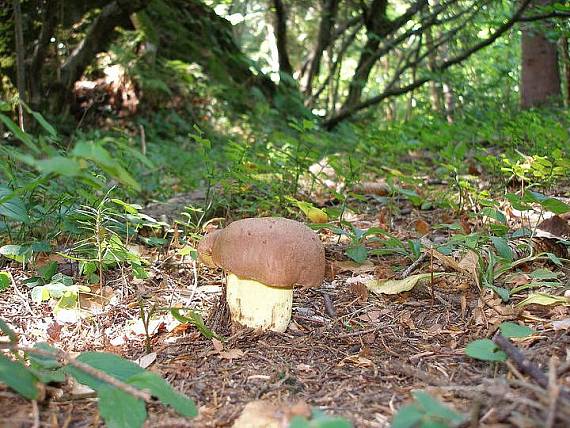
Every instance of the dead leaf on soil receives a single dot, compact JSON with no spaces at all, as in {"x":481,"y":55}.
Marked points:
{"x":356,"y":360}
{"x":470,"y":264}
{"x":422,"y":227}
{"x":543,"y":299}
{"x":146,"y":360}
{"x":264,"y":414}
{"x":561,"y":324}
{"x":360,"y":291}
{"x":396,"y":286}
{"x":231,"y":354}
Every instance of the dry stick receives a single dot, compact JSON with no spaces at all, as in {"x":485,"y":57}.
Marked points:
{"x":65,"y":358}
{"x":329,"y":307}
{"x":412,"y":267}
{"x":523,"y":363}
{"x":553,"y":392}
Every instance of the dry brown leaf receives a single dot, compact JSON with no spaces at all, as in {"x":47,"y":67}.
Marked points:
{"x":470,"y":263}
{"x":422,"y":227}
{"x":447,"y":261}
{"x":360,"y":290}
{"x":556,"y":226}
{"x":356,"y":360}
{"x":231,"y":354}
{"x":218,"y":345}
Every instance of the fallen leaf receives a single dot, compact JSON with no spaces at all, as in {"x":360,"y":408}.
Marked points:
{"x":396,"y":286}
{"x":146,"y":360}
{"x":561,"y":324}
{"x":470,"y":263}
{"x":231,"y":354}
{"x":360,"y":291}
{"x":259,"y":414}
{"x":422,"y":227}
{"x":218,"y":345}
{"x":556,"y":226}
{"x":544,"y":299}
{"x":357,"y":361}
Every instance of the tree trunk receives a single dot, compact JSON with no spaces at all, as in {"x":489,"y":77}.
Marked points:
{"x":20,"y":66}
{"x":326,"y":26}
{"x":540,"y":76}
{"x":565,"y":54}
{"x":49,"y":22}
{"x":281,"y":37}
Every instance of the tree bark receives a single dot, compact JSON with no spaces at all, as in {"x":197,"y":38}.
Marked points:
{"x":20,"y":55}
{"x":565,"y":54}
{"x":378,"y":27}
{"x":49,"y":22}
{"x":281,"y":37}
{"x":540,"y":75}
{"x":326,"y":26}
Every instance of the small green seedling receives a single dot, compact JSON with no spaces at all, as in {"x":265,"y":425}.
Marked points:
{"x":426,"y":411}
{"x":487,"y":350}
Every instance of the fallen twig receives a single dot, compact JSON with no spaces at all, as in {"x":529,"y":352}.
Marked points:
{"x":523,"y":363}
{"x":412,"y":267}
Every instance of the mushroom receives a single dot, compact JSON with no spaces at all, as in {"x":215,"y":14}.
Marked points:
{"x":264,"y":259}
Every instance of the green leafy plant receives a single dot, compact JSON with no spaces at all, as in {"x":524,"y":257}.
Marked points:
{"x":487,"y":350}
{"x":122,"y":387}
{"x":319,"y":419}
{"x":426,"y":412}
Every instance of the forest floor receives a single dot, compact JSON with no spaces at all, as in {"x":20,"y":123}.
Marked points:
{"x":347,"y":351}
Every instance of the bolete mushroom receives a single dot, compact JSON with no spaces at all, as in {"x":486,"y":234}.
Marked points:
{"x":264,"y":259}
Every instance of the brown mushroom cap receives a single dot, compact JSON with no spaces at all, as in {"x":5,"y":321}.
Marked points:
{"x":272,"y":250}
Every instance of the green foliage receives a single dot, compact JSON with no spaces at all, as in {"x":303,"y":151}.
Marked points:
{"x":117,"y":407}
{"x":319,"y":419}
{"x":424,"y":412}
{"x":487,"y":350}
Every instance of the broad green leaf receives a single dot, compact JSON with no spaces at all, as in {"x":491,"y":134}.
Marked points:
{"x":46,"y":369}
{"x":544,"y":299}
{"x":407,"y":417}
{"x":129,"y":208}
{"x":554,"y":259}
{"x":47,"y":271}
{"x":434,"y":408}
{"x":486,"y":350}
{"x":543,"y":274}
{"x":40,"y":294}
{"x":109,"y":363}
{"x":14,"y":252}
{"x":59,"y":165}
{"x":358,"y":253}
{"x":5,"y":328}
{"x":162,"y":390}
{"x":494,"y":214}
{"x":502,"y":247}
{"x":5,"y":280}
{"x":43,"y":123}
{"x":511,"y":329}
{"x":120,"y":409}
{"x":396,"y":286}
{"x":14,"y":207}
{"x":18,"y":377}
{"x":19,"y":134}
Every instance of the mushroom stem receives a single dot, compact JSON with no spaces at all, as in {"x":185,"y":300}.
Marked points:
{"x":257,"y":305}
